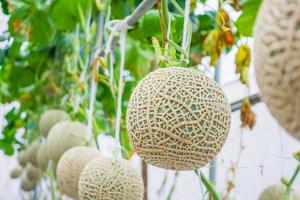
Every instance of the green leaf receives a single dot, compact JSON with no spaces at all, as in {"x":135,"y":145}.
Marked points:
{"x":209,"y":186}
{"x":66,"y":14}
{"x":42,"y":28}
{"x":246,"y":21}
{"x":6,"y":147}
{"x":4,"y":5}
{"x":17,"y":22}
{"x":207,"y":21}
{"x":150,"y":25}
{"x":21,"y":76}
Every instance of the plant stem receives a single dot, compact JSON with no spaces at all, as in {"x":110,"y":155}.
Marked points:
{"x":208,"y":185}
{"x":120,"y":87}
{"x":140,"y":11}
{"x":128,"y":22}
{"x":220,"y":4}
{"x":177,"y":6}
{"x":163,"y":184}
{"x":290,"y":183}
{"x":184,"y":44}
{"x":51,"y":184}
{"x":93,"y":81}
{"x":173,"y":186}
{"x":163,"y":24}
{"x":145,"y":179}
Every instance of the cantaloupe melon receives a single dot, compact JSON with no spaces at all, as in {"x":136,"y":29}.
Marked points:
{"x":109,"y":178}
{"x":23,"y":158}
{"x":42,"y":157}
{"x":49,"y":118}
{"x":63,"y":136}
{"x":15,"y":172}
{"x":32,"y":152}
{"x":26,"y":184}
{"x":277,"y":60}
{"x":33,"y":173}
{"x":178,"y":118}
{"x":277,"y":192}
{"x":70,"y":166}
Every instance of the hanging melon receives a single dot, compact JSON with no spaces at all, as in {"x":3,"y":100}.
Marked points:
{"x":16,"y":172}
{"x":42,"y":157}
{"x":49,"y":118}
{"x":70,"y":166}
{"x":277,"y":60}
{"x":63,"y":136}
{"x":32,"y":152}
{"x":109,"y":178}
{"x":23,"y":158}
{"x":178,"y":118}
{"x":33,"y":173}
{"x":26,"y":184}
{"x":277,"y":192}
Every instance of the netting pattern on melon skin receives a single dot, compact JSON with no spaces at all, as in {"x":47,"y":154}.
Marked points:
{"x":277,"y":60}
{"x":178,"y":118}
{"x":70,"y":166}
{"x":110,"y":179}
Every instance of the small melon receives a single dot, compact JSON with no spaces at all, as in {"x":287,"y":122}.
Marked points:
{"x":23,"y":158}
{"x":26,"y":184}
{"x":16,"y":172}
{"x":63,"y":136}
{"x":32,"y":152}
{"x":33,"y":173}
{"x":277,"y":192}
{"x":70,"y":166}
{"x":49,"y":118}
{"x":42,"y":157}
{"x":110,"y":178}
{"x":178,"y":118}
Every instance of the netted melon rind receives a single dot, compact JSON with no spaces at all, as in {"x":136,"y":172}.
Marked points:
{"x":277,"y":192}
{"x":26,"y":185}
{"x":42,"y":157}
{"x":277,"y":60}
{"x":33,"y":173}
{"x":49,"y":118}
{"x":178,"y":118}
{"x":70,"y":166}
{"x":32,"y":152}
{"x":63,"y":136}
{"x":109,"y":178}
{"x":15,"y":173}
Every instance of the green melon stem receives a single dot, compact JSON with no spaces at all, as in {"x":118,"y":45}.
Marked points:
{"x":208,"y":185}
{"x":289,"y":184}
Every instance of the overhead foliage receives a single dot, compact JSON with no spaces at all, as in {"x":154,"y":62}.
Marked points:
{"x":47,"y":58}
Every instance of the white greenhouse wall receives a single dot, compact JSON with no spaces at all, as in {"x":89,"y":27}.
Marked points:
{"x":266,"y":158}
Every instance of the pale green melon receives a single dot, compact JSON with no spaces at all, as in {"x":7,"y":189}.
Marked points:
{"x":32,"y":152}
{"x":26,"y":184}
{"x":49,"y":118}
{"x":33,"y":173}
{"x":70,"y":166}
{"x":277,"y":192}
{"x":42,"y":157}
{"x":63,"y":136}
{"x":23,"y":158}
{"x":16,"y":172}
